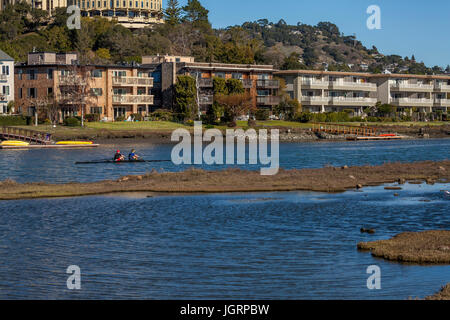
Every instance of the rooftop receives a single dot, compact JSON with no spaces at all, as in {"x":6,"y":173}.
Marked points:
{"x":5,"y":57}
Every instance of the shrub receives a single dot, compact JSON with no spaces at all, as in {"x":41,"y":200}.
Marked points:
{"x":72,"y":122}
{"x":136,"y":116}
{"x":262,"y":114}
{"x":163,"y":115}
{"x":120,"y":118}
{"x":14,"y":120}
{"x":93,"y":117}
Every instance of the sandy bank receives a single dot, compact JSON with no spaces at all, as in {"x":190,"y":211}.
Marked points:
{"x":328,"y":179}
{"x":429,"y":247}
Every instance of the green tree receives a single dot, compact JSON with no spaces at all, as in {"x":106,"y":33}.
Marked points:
{"x":172,"y":13}
{"x":235,"y":86}
{"x":186,"y":96}
{"x":292,"y":62}
{"x":196,"y":14}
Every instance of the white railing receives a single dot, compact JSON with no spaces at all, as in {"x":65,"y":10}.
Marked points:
{"x":412,"y":86}
{"x":353,"y":99}
{"x":133,"y":81}
{"x":412,"y":100}
{"x":353,"y":84}
{"x":314,"y":98}
{"x":442,"y":86}
{"x":314,"y":82}
{"x":3,"y":77}
{"x":442,"y":101}
{"x":132,"y":99}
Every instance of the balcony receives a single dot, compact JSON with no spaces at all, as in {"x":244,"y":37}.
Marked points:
{"x":3,"y":77}
{"x":71,"y":80}
{"x":352,"y":101}
{"x":314,"y":84}
{"x":132,"y":99}
{"x":133,"y":81}
{"x":347,"y":85}
{"x":442,"y":87}
{"x":247,"y":83}
{"x":442,"y":102}
{"x":268,"y":100}
{"x":205,"y":99}
{"x":268,"y":84}
{"x":2,"y":97}
{"x":416,"y":87}
{"x":412,"y":102}
{"x":315,"y":100}
{"x":205,"y":83}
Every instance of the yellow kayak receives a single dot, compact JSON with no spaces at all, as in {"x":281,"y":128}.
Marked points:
{"x":72,"y":143}
{"x":14,"y":143}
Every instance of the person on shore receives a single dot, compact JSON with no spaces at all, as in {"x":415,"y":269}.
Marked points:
{"x":133,"y":156}
{"x":118,"y":156}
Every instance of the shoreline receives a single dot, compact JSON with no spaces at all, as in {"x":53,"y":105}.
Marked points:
{"x":287,"y":133}
{"x":327,"y":179}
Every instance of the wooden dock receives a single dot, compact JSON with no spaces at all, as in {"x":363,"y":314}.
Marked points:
{"x":52,"y":146}
{"x":343,"y":129}
{"x":377,"y":138}
{"x":27,"y":135}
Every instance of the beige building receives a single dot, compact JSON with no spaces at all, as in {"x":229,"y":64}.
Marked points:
{"x":423,"y":93}
{"x":47,"y":5}
{"x":324,"y":91}
{"x":131,"y":14}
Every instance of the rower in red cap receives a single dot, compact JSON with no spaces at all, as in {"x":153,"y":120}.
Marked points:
{"x":118,"y":156}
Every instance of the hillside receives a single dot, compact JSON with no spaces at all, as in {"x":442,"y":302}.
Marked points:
{"x":188,"y":32}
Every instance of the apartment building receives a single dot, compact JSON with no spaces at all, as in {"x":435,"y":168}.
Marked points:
{"x":323,"y":91}
{"x":6,"y":81}
{"x":47,"y":5}
{"x":114,"y":90}
{"x":256,"y":79}
{"x":133,"y":14}
{"x":327,"y":91}
{"x":420,"y":92}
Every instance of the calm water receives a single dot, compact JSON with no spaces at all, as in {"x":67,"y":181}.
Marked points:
{"x":264,"y":245}
{"x":58,"y":165}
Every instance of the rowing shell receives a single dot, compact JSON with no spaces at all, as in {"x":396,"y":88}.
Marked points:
{"x":123,"y":161}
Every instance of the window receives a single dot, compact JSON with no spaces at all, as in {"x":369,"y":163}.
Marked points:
{"x":263,"y":76}
{"x":220,"y":75}
{"x":20,"y":93}
{"x":156,"y":76}
{"x":96,"y":110}
{"x":49,"y":91}
{"x":97,"y":91}
{"x":5,"y":70}
{"x":32,"y":92}
{"x":6,"y":90}
{"x":49,"y":73}
{"x":20,"y":72}
{"x":119,"y":73}
{"x":31,"y":75}
{"x":96,"y":73}
{"x":236,"y":75}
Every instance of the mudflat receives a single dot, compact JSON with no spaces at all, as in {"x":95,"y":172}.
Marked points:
{"x":328,"y":179}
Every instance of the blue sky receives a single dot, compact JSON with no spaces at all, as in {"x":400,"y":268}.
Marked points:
{"x":407,"y":26}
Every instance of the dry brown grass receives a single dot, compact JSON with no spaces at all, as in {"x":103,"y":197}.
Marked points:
{"x":329,"y":179}
{"x":429,"y":247}
{"x":444,"y":294}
